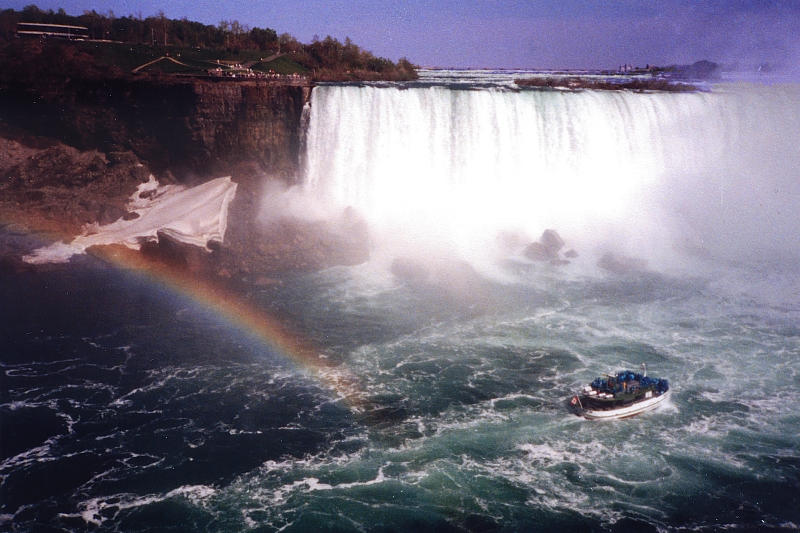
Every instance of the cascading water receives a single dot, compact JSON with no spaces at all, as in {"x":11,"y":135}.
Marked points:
{"x":637,"y":171}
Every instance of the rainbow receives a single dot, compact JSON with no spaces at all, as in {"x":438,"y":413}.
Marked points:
{"x":242,"y":314}
{"x":210,"y":294}
{"x":228,"y":305}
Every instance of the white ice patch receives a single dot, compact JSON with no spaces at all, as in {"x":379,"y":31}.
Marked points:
{"x":196,"y":216}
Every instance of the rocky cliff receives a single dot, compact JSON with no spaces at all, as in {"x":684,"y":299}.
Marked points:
{"x":77,"y":148}
{"x":188,"y":126}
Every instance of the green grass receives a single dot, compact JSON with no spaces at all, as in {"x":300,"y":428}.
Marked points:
{"x":168,"y":67}
{"x":124,"y":56}
{"x":129,"y":56}
{"x":209,"y":54}
{"x":281,"y":65}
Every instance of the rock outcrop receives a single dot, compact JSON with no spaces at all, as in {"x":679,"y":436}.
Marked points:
{"x":57,"y":187}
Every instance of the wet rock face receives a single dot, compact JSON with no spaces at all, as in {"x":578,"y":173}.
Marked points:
{"x":186,"y":126}
{"x":253,"y":121}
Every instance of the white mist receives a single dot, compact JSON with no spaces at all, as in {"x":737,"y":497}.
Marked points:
{"x":435,"y":168}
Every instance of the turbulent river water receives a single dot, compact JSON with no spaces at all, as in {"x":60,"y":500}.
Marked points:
{"x":128,"y":405}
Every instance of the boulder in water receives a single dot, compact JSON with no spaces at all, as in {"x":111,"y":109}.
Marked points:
{"x":547,"y":248}
{"x":537,"y":251}
{"x":552,"y":240}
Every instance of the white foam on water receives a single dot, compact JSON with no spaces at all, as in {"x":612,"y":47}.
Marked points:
{"x":97,"y":511}
{"x":36,"y":454}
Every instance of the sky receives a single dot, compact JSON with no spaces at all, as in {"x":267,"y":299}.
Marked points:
{"x":569,"y":34}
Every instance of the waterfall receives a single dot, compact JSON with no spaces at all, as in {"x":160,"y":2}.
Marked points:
{"x":641,"y":170}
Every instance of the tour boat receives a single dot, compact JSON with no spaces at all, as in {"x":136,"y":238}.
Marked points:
{"x":620,"y":395}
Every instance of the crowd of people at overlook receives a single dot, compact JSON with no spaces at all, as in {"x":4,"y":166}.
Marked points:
{"x":239,"y":72}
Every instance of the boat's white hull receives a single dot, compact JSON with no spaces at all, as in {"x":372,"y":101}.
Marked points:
{"x":623,"y":412}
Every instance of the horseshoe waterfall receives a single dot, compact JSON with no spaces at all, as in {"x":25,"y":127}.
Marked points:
{"x":645,"y":172}
{"x":427,"y":388}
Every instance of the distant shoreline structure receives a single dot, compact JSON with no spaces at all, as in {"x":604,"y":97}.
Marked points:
{"x":673,"y":78}
{"x":606,"y":84}
{"x":703,"y":70}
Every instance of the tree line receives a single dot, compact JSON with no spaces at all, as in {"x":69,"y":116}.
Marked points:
{"x":327,"y":58}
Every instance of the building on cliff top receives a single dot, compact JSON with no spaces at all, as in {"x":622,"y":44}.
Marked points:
{"x":57,"y":31}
